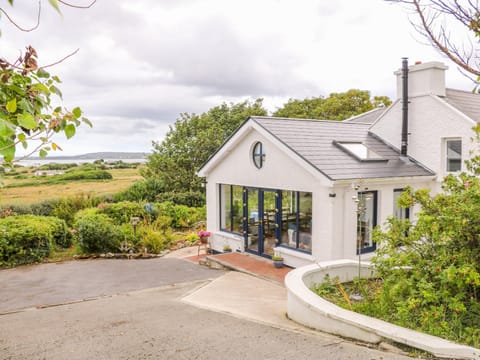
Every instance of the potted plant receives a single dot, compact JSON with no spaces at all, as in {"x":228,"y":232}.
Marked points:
{"x":203,"y":235}
{"x":277,"y":261}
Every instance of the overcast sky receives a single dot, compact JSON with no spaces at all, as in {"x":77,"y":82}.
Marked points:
{"x":142,"y":63}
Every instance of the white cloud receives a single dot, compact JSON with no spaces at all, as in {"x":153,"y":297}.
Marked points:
{"x":142,"y":63}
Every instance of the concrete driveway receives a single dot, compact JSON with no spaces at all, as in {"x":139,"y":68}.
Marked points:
{"x":59,"y":283}
{"x":154,"y":309}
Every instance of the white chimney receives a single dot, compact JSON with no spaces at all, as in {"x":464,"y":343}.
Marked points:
{"x":426,"y":78}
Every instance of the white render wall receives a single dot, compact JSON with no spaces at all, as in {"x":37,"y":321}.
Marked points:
{"x":334,"y":221}
{"x":279,"y":171}
{"x":345,"y":223}
{"x":431,"y":120}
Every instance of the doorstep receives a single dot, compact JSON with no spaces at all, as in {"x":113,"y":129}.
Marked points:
{"x":249,"y":264}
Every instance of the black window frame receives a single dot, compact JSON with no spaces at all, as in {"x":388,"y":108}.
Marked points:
{"x":258,"y":157}
{"x":373,"y":247}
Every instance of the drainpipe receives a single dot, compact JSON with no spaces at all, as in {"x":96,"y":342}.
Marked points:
{"x":404,"y":143}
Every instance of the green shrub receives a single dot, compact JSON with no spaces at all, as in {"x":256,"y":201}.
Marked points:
{"x":85,"y":212}
{"x":61,"y":236}
{"x":192,"y":237}
{"x":144,"y":190}
{"x":189,"y":198}
{"x":132,"y":238}
{"x":26,"y":239}
{"x":430,"y":267}
{"x":162,"y":222}
{"x":43,"y":208}
{"x":63,"y":208}
{"x":66,"y":208}
{"x":122,"y":212}
{"x":96,"y":234}
{"x":86,"y":175}
{"x":155,"y":241}
{"x":182,"y":216}
{"x":54,"y":166}
{"x":119,"y":164}
{"x":88,"y":167}
{"x":17,"y":209}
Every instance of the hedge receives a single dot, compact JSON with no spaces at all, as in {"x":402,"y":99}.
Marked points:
{"x":97,"y":233}
{"x":27,"y":239}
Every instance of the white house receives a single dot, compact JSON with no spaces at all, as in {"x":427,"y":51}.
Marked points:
{"x":313,"y":190}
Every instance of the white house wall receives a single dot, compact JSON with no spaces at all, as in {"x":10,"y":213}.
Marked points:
{"x":334,"y":211}
{"x":279,"y":171}
{"x":345,"y":214}
{"x":430,"y":122}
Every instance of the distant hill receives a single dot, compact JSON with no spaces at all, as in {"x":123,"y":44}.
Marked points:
{"x":99,"y":155}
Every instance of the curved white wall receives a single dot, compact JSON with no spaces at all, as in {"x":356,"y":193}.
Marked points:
{"x":309,"y":309}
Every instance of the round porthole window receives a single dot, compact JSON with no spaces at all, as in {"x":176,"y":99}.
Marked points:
{"x":258,"y":155}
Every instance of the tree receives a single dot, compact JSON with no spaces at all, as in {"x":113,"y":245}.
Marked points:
{"x":191,"y":141}
{"x":430,"y":268}
{"x":435,"y":19}
{"x":27,"y":94}
{"x":337,"y":106}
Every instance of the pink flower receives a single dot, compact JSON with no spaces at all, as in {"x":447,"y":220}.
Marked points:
{"x":467,"y":184}
{"x":203,"y":233}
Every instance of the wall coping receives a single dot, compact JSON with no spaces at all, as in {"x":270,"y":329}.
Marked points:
{"x":307,"y":308}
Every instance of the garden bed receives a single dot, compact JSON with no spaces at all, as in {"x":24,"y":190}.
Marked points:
{"x":309,"y":309}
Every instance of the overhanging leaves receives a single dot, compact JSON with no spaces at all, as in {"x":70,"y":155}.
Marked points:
{"x":26,"y":121}
{"x":69,"y":130}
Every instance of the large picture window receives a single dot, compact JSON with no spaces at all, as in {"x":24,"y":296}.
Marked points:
{"x":267,"y":217}
{"x":231,"y":208}
{"x":297,"y":220}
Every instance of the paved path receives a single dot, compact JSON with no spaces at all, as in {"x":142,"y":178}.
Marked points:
{"x":155,"y":309}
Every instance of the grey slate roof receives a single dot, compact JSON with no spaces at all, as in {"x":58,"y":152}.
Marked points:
{"x":313,"y":141}
{"x":368,"y":117}
{"x":465,"y":101}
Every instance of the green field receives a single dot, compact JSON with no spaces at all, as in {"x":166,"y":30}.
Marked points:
{"x":27,"y":188}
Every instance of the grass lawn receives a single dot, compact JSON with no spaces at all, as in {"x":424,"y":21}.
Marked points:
{"x":122,"y":179}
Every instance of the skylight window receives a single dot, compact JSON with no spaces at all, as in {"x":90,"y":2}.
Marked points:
{"x":359,"y":150}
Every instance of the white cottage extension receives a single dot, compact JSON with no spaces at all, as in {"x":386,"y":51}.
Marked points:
{"x":313,"y":190}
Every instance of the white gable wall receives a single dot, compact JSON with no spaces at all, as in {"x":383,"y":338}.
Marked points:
{"x":280,"y":171}
{"x":430,"y":121}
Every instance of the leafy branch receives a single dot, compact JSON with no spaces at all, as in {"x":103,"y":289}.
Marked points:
{"x":27,"y":116}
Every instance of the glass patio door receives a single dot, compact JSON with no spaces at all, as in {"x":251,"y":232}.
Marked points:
{"x":262,"y":221}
